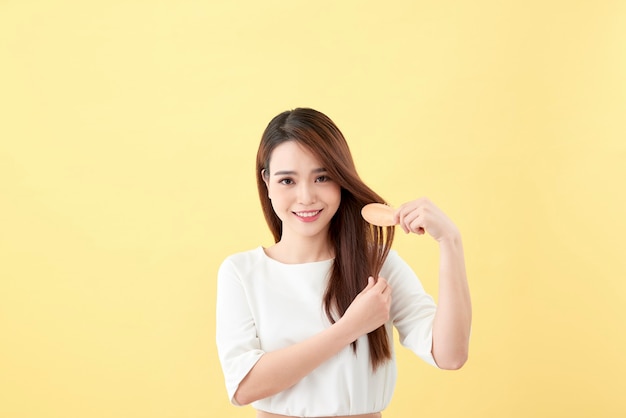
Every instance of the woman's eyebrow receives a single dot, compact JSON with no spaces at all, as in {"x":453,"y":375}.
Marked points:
{"x":291,"y":173}
{"x":284,"y":172}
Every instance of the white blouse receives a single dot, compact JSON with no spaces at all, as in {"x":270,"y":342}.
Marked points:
{"x":264,"y":305}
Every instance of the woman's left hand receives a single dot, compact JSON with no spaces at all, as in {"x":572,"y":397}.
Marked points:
{"x":421,"y":215}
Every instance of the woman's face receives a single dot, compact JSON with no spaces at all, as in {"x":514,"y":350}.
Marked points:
{"x":303,"y":196}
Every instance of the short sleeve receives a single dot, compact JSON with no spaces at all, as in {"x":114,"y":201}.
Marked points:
{"x":237,"y":341}
{"x":412,"y":309}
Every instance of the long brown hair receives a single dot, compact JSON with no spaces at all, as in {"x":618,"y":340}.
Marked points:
{"x":360,"y":248}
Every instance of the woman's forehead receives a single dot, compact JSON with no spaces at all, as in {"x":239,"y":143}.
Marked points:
{"x":294,"y":157}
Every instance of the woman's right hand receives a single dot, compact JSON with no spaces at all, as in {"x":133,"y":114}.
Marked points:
{"x":370,"y":309}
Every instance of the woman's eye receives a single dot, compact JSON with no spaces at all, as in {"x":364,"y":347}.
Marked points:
{"x":286,"y":181}
{"x":322,"y":179}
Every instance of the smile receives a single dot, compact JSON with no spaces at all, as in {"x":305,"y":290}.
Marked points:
{"x":309,"y":214}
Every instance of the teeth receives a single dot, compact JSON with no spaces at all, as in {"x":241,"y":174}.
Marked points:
{"x":307,"y":214}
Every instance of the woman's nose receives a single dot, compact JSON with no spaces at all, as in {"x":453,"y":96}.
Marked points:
{"x":306,"y":194}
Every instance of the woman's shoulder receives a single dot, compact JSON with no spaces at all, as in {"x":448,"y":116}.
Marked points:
{"x":239,"y":266}
{"x":395,"y":267}
{"x":244,"y":258}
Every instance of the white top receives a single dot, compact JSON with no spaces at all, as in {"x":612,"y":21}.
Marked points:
{"x":264,"y":305}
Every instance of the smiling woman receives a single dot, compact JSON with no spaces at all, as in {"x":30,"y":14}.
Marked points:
{"x":305,"y":199}
{"x":305,"y":327}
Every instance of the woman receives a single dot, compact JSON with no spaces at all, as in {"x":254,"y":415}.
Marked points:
{"x":304,"y":327}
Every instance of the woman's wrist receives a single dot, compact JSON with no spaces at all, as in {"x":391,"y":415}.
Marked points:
{"x":347,"y":332}
{"x":452,"y":240}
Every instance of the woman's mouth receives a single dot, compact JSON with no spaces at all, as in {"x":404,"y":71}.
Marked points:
{"x":308,"y":216}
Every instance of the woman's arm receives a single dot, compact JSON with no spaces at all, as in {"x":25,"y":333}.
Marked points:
{"x":452,"y":322}
{"x":278,"y":370}
{"x":451,"y":328}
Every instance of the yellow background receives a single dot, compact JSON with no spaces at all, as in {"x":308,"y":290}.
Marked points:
{"x":128,"y":132}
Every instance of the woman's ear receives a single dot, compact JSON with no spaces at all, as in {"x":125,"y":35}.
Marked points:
{"x":265,"y":176}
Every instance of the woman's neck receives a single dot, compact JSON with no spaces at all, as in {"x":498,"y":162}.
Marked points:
{"x":301,"y":251}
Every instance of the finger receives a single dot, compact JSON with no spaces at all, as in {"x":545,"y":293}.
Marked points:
{"x":381,"y":284}
{"x":409,"y":218}
{"x":405,"y":216}
{"x":397,"y":214}
{"x":370,"y":283}
{"x":418,"y":226}
{"x":387,"y":290}
{"x":398,"y":219}
{"x":388,"y":297}
{"x":414,"y":222}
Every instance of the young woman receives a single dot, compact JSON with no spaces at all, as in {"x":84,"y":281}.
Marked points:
{"x":304,"y":327}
